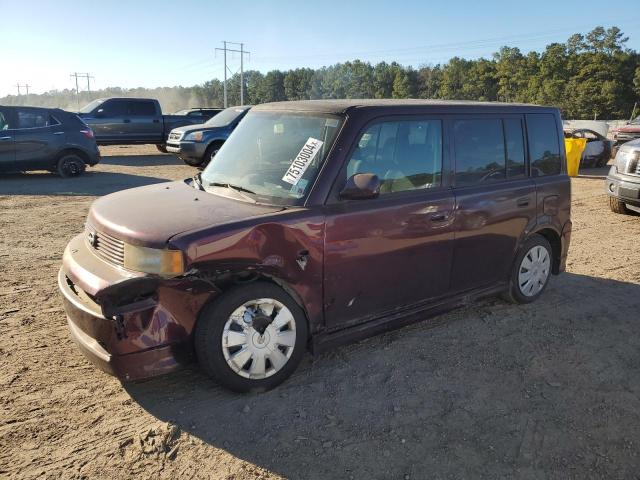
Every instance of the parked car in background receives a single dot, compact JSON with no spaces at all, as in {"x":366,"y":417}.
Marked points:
{"x":628,"y":132}
{"x":623,"y":182}
{"x":128,"y":121}
{"x":45,"y":139}
{"x":203,"y":113}
{"x":320,"y":222}
{"x":597,"y":151}
{"x":196,"y":145}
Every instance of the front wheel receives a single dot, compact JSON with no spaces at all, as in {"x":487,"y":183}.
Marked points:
{"x":252,"y":338}
{"x":617,"y":206}
{"x":162,"y":148}
{"x":531,"y":270}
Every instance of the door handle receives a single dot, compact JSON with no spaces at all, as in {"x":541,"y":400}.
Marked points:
{"x":5,"y":138}
{"x":523,"y":202}
{"x":126,"y":120}
{"x":156,"y":121}
{"x":58,"y":133}
{"x":440,"y":217}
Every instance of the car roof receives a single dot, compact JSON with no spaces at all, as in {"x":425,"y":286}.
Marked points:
{"x":342,"y":106}
{"x":51,"y":109}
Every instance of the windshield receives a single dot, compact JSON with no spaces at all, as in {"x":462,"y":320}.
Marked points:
{"x":91,"y":106}
{"x":273,"y":156}
{"x":225,"y":117}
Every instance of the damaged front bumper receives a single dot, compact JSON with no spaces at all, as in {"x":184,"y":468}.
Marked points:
{"x":129,"y":324}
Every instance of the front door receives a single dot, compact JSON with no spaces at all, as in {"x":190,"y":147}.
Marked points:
{"x":395,"y":251}
{"x":495,"y":198}
{"x":7,"y":150}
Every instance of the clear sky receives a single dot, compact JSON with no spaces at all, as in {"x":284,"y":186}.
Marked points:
{"x":165,"y":43}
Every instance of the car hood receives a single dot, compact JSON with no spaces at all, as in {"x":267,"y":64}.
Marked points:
{"x":151,"y":215}
{"x":196,"y":128}
{"x":631,"y":128}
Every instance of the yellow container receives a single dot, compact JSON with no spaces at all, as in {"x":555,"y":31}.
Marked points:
{"x":574,"y":148}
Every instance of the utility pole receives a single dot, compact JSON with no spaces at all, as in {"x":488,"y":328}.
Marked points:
{"x":87,"y":76}
{"x":26,"y":86}
{"x":242,"y":51}
{"x":76,"y":75}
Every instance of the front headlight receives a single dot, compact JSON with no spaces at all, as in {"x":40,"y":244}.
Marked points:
{"x":168,"y":263}
{"x":623,"y":158}
{"x":195,"y":136}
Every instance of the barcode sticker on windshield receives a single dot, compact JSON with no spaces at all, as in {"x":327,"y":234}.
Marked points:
{"x":302,"y":161}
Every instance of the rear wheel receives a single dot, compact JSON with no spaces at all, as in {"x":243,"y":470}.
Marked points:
{"x":70,"y":165}
{"x":531,"y":270}
{"x":252,"y":338}
{"x":617,"y":206}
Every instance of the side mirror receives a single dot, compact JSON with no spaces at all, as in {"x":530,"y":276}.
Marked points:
{"x":361,"y":186}
{"x":100,"y":113}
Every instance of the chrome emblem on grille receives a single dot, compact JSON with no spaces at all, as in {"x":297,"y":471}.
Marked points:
{"x":92,"y":238}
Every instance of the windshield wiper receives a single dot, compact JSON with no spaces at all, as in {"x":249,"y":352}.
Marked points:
{"x":237,"y":188}
{"x":198,"y":181}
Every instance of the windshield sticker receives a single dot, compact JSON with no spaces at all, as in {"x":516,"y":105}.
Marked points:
{"x":302,"y":161}
{"x":331,"y":122}
{"x":298,"y":190}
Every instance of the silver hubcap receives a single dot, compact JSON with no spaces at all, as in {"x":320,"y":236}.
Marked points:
{"x":534,"y":271}
{"x":258,"y":338}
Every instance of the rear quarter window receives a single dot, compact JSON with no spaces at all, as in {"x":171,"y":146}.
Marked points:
{"x":544,"y":145}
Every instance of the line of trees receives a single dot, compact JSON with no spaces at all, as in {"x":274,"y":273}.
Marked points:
{"x":588,"y":76}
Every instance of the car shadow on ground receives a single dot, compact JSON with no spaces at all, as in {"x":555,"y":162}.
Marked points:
{"x":90,"y":183}
{"x":495,"y":390}
{"x":141,"y":160}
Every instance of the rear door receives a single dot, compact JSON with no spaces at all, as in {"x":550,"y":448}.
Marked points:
{"x":395,"y":251}
{"x":38,"y":138}
{"x":144,"y":122}
{"x":7,"y":149}
{"x":495,"y":198}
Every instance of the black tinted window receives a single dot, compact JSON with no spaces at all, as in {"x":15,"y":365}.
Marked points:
{"x":544,"y":148}
{"x":113,"y":108}
{"x":405,"y":155}
{"x":35,"y":119}
{"x":143,"y":109}
{"x":514,"y":140}
{"x":479,"y":151}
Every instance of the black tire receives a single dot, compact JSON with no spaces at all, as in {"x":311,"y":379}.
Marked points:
{"x":514,"y":293}
{"x":211,"y":152}
{"x":617,"y":206}
{"x":162,"y":148}
{"x":70,"y":165}
{"x":209,"y":333}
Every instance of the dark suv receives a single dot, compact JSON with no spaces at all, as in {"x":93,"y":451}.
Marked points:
{"x":45,"y":139}
{"x":320,"y":222}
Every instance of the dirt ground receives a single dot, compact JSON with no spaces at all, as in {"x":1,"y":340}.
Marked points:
{"x":548,"y":390}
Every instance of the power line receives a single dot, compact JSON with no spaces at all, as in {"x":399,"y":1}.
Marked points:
{"x":77,"y":75}
{"x":242,"y":51}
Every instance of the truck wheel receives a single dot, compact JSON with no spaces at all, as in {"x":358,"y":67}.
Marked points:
{"x":531,"y":270}
{"x":70,"y":165}
{"x":162,"y":148}
{"x":617,"y":206}
{"x":252,"y":338}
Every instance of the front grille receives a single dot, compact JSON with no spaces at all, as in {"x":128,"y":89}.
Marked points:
{"x":109,"y":248}
{"x":175,"y":136}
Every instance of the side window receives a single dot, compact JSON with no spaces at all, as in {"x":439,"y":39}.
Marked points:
{"x":33,"y":118}
{"x":4,"y":122}
{"x":404,"y":154}
{"x":544,"y":148}
{"x":514,"y":141}
{"x":479,"y":151}
{"x":114,"y":108}
{"x":142,"y":109}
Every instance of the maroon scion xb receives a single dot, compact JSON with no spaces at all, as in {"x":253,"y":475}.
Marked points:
{"x":320,"y":222}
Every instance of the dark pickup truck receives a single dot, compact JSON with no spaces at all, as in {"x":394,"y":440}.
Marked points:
{"x":126,"y":121}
